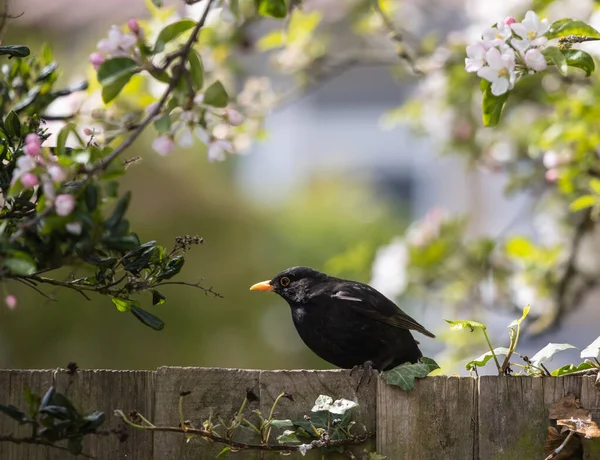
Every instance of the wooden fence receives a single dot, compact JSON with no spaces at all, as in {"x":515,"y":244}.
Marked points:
{"x":446,"y":417}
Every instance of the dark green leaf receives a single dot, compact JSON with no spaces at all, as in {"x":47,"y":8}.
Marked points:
{"x":13,"y":125}
{"x":48,"y":71}
{"x":288,"y":437}
{"x":216,"y":95}
{"x":109,"y":92}
{"x":565,"y":27}
{"x":158,"y":298}
{"x":404,"y":375}
{"x":115,"y":69}
{"x":92,"y":422}
{"x":91,"y":197}
{"x":61,"y":140}
{"x":124,"y":305}
{"x":147,"y":318}
{"x":580,"y":59}
{"x":272,"y":8}
{"x":121,"y":243}
{"x":157,"y":3}
{"x":75,"y":445}
{"x":20,"y":266}
{"x":492,"y":106}
{"x":196,"y":70}
{"x":555,"y":56}
{"x":119,"y":212}
{"x":172,"y":268}
{"x":14,"y":413}
{"x":33,"y":401}
{"x":15,"y":50}
{"x":170,"y":32}
{"x":160,"y":75}
{"x":46,"y":400}
{"x":58,"y":412}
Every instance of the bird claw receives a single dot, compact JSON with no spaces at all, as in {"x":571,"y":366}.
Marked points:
{"x":367,"y":370}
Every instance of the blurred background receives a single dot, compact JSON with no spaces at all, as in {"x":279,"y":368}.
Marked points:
{"x":326,"y":188}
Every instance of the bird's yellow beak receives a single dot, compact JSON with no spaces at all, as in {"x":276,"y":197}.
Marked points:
{"x":264,"y":286}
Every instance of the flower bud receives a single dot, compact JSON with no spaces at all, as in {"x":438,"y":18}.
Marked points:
{"x":29,"y":180}
{"x":97,"y":59}
{"x":64,"y":204}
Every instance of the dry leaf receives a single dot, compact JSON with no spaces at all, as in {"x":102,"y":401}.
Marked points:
{"x":573,"y":450}
{"x":568,"y":407}
{"x":587,"y":428}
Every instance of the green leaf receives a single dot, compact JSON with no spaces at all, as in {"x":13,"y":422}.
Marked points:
{"x":570,"y":368}
{"x":482,"y":360}
{"x":15,"y":50}
{"x":492,"y":107}
{"x":63,"y":135}
{"x":33,"y":401}
{"x":163,"y":124}
{"x":519,"y":247}
{"x":115,"y":69}
{"x":580,"y":59}
{"x":121,"y":243}
{"x":555,"y":56}
{"x":147,"y":318}
{"x":224,"y":452}
{"x":93,"y":421}
{"x":118,"y":212}
{"x":216,"y":95}
{"x":282,"y":423}
{"x":274,"y":39}
{"x":272,"y":8}
{"x":517,"y":322}
{"x":340,"y":406}
{"x":465,"y":324}
{"x":583,"y":202}
{"x":288,"y":437}
{"x":91,"y":197}
{"x":124,"y":305}
{"x":14,"y":413}
{"x":546,"y":354}
{"x":13,"y":125}
{"x":157,"y":3}
{"x":109,"y":92}
{"x":160,"y":75}
{"x":595,"y":185}
{"x":564,"y":27}
{"x":323,"y":402}
{"x":170,"y":32}
{"x":20,"y":265}
{"x":404,"y":375}
{"x":196,"y":70}
{"x":158,"y":298}
{"x":592,"y":350}
{"x":172,"y":268}
{"x":75,"y":445}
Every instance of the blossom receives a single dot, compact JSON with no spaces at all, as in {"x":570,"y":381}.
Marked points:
{"x":96,"y":59}
{"x":163,"y":145}
{"x":75,"y":228}
{"x":133,"y":26}
{"x":29,"y":180}
{"x":500,"y":70}
{"x":10,"y":301}
{"x":33,"y":145}
{"x":495,"y":36}
{"x":117,"y":43}
{"x":475,"y":59}
{"x":509,"y":20}
{"x":234,"y":117}
{"x":531,"y":31}
{"x":535,"y":60}
{"x":216,"y":147}
{"x":57,"y":173}
{"x":64,"y":204}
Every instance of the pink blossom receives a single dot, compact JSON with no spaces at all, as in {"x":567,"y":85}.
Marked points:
{"x":33,"y":145}
{"x":57,"y":173}
{"x":10,"y":301}
{"x":88,"y":131}
{"x":552,"y":175}
{"x":97,"y":59}
{"x":133,"y":26}
{"x":234,"y":117}
{"x":163,"y":145}
{"x":29,"y":180}
{"x":64,"y":204}
{"x":509,"y":20}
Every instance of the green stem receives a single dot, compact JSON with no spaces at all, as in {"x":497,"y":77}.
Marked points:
{"x":270,"y":419}
{"x":487,"y":339}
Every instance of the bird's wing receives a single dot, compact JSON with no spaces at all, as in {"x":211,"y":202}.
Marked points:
{"x":372,"y":304}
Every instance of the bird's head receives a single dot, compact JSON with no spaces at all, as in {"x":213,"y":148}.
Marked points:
{"x":294,"y":284}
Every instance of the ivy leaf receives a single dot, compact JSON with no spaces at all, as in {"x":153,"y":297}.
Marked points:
{"x":564,"y":27}
{"x":272,"y":8}
{"x":171,"y":32}
{"x":583,"y":202}
{"x":554,"y":55}
{"x":464,"y":324}
{"x":592,"y":350}
{"x":282,"y":423}
{"x":147,"y":318}
{"x":340,"y":406}
{"x":216,"y":95}
{"x":580,"y":59}
{"x":124,"y":305}
{"x":288,"y":437}
{"x":546,"y":354}
{"x":570,"y":368}
{"x":492,"y":106}
{"x":404,"y":375}
{"x":482,"y":360}
{"x":196,"y":70}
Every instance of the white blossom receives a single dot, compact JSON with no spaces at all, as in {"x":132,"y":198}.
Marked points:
{"x":499,"y":70}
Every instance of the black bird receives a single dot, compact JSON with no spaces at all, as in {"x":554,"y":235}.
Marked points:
{"x":348,"y":324}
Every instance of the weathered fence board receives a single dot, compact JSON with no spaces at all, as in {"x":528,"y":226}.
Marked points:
{"x":453,"y":418}
{"x":438,"y":419}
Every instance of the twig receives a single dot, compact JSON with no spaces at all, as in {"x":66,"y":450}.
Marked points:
{"x":561,"y":447}
{"x":36,"y":289}
{"x":396,"y":36}
{"x":177,"y":73}
{"x":34,"y":441}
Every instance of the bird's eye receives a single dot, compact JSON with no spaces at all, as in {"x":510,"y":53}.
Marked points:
{"x":285,"y":281}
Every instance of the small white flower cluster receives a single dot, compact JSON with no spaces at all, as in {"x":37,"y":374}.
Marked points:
{"x":118,"y":44}
{"x":509,"y":50}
